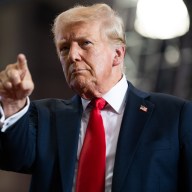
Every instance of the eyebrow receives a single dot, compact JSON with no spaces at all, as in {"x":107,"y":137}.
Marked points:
{"x":79,"y":38}
{"x":60,"y":43}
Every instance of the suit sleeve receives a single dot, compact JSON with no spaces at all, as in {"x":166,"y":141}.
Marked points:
{"x":18,"y":144}
{"x":185,"y":176}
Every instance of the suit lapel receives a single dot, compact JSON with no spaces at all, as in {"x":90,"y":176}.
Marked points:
{"x":68,"y":122}
{"x":137,"y":112}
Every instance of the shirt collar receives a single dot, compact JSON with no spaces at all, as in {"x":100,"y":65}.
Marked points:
{"x":115,"y":97}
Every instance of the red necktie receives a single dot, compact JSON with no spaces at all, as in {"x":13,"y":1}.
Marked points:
{"x":91,"y":169}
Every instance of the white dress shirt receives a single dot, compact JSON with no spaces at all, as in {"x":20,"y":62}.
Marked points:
{"x":6,"y":123}
{"x":112,"y":117}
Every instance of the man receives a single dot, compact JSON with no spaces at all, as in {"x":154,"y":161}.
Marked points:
{"x":148,"y":136}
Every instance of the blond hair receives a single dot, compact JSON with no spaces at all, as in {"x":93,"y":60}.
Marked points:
{"x":111,"y":22}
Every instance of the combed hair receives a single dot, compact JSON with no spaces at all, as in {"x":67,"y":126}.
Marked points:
{"x":112,"y":23}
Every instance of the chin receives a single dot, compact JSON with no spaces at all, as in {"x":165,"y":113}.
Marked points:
{"x":86,"y":87}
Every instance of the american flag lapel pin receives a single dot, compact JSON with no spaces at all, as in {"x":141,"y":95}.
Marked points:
{"x":143,"y":108}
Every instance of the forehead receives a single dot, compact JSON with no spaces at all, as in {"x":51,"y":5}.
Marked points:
{"x":78,"y":30}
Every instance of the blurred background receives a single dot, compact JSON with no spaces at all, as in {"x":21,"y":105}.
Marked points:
{"x":159,"y":50}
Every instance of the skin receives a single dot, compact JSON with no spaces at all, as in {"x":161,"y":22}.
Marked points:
{"x":15,"y":85}
{"x":91,"y":65}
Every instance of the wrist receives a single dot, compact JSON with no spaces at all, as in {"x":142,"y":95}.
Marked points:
{"x":11,"y":107}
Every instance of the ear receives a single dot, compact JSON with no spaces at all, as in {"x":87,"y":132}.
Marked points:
{"x":119,"y":55}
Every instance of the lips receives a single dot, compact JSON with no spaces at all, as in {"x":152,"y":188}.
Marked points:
{"x":76,"y":71}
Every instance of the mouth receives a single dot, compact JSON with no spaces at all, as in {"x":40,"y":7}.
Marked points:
{"x":78,"y":71}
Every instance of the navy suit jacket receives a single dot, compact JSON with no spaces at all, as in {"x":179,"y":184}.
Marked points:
{"x":154,"y":150}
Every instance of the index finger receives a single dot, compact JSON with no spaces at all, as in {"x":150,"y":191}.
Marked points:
{"x":22,"y":65}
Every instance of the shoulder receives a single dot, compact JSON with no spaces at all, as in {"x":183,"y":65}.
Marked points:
{"x":170,"y":104}
{"x":49,"y":102}
{"x":161,"y":100}
{"x":166,"y":98}
{"x":56,"y":104}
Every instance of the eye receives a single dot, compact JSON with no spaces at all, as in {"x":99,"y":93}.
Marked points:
{"x":64,"y":50}
{"x":86,"y":43}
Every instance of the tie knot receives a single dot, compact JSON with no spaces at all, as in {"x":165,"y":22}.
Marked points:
{"x":98,"y":103}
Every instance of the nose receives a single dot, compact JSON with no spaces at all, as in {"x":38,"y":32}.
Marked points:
{"x":74,"y":53}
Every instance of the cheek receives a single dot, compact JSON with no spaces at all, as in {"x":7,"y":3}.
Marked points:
{"x":65,"y":69}
{"x":104,"y":63}
{"x":103,"y":70}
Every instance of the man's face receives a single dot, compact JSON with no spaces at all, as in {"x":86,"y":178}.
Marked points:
{"x":87,"y":58}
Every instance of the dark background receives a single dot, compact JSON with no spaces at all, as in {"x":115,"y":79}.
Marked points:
{"x":25,"y":27}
